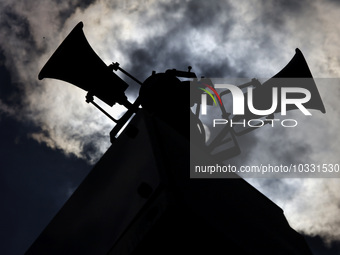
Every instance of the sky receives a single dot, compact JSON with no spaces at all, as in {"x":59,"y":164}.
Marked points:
{"x":51,"y":137}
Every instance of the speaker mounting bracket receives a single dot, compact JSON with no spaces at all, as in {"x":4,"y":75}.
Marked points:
{"x":90,"y":99}
{"x":115,"y":66}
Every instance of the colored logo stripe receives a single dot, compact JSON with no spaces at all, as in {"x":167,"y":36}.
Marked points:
{"x":206,"y":91}
{"x":215,"y":92}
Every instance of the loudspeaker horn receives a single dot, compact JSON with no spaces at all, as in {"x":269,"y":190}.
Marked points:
{"x":295,"y":74}
{"x":75,"y":62}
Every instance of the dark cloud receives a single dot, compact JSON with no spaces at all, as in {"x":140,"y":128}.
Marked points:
{"x":90,"y":147}
{"x":16,"y":28}
{"x":276,"y":13}
{"x":289,"y":154}
{"x":171,"y":49}
{"x":202,"y":15}
{"x":279,"y":188}
{"x":9,"y":93}
{"x":16,"y":23}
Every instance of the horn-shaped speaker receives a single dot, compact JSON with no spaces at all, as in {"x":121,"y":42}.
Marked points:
{"x":75,"y":62}
{"x":295,"y":74}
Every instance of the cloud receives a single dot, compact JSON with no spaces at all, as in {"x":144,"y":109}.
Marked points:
{"x":217,"y":38}
{"x":311,"y":205}
{"x":5,"y":109}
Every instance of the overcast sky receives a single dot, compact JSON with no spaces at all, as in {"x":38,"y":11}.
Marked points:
{"x":49,"y":121}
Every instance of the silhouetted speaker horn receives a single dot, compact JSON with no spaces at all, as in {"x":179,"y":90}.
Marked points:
{"x":75,"y":62}
{"x":295,"y":74}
